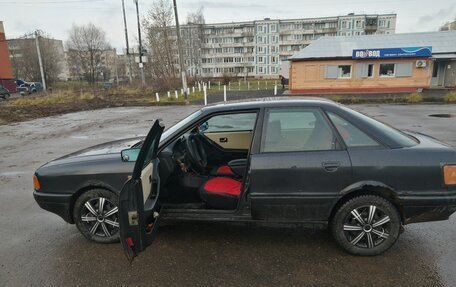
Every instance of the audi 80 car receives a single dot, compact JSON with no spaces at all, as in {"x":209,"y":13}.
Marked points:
{"x":301,"y":162}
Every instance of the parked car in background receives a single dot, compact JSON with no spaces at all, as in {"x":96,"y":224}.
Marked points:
{"x":30,"y":88}
{"x":310,"y":162}
{"x":4,"y":93}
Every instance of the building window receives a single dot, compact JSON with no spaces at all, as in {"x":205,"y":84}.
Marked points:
{"x":344,"y":24}
{"x":370,"y":70}
{"x":273,"y":60}
{"x":260,"y":49}
{"x":387,"y":70}
{"x":344,"y":71}
{"x":260,"y":59}
{"x":260,"y":70}
{"x":273,"y":27}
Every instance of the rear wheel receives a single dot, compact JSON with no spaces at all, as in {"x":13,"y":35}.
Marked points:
{"x":96,"y":215}
{"x":366,"y":225}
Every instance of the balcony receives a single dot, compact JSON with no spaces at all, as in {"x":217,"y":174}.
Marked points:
{"x":330,"y":30}
{"x":371,"y":28}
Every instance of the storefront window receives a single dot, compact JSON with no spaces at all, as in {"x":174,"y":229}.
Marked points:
{"x":387,"y":70}
{"x":370,"y":70}
{"x":344,"y":71}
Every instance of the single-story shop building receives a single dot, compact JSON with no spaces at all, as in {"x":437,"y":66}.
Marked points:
{"x":375,"y":63}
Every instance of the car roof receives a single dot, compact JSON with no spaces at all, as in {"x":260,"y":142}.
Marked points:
{"x":269,"y":102}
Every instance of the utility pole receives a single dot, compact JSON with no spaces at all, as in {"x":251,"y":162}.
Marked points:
{"x":181,"y":55}
{"x":40,"y":61}
{"x":141,"y":64}
{"x":126,"y":40}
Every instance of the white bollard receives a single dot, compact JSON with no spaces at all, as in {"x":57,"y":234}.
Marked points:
{"x":157,"y":97}
{"x":275,"y":90}
{"x":188,"y":91}
{"x":199,"y":86}
{"x":248,"y":86}
{"x":175,"y":94}
{"x":229,"y":86}
{"x":169,"y":94}
{"x":266,"y":85}
{"x":193,"y":89}
{"x":182,"y":92}
{"x":239,"y":85}
{"x":258,"y":85}
{"x":205,"y":95}
{"x":209,"y":85}
{"x":224,"y":93}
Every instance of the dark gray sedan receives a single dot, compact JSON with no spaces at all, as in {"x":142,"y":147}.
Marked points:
{"x":301,"y":162}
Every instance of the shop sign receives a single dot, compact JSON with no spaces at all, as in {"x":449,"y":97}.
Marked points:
{"x":392,"y":53}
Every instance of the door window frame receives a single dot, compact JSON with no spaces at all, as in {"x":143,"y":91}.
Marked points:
{"x":340,"y":144}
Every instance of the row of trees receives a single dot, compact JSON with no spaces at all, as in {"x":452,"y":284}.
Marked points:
{"x":87,"y":47}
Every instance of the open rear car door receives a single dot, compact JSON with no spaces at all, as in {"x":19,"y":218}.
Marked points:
{"x":139,"y":206}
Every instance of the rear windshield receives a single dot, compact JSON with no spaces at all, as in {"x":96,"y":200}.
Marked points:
{"x":396,"y":135}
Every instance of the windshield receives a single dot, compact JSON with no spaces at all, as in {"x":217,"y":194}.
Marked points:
{"x":180,"y":124}
{"x":396,"y":135}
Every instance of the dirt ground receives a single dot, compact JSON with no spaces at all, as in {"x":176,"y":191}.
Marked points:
{"x":39,"y":249}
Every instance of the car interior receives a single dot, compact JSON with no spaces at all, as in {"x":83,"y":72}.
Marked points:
{"x":205,"y":167}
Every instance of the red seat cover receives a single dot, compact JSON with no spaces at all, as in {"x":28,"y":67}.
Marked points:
{"x":223,"y":185}
{"x":224,"y":169}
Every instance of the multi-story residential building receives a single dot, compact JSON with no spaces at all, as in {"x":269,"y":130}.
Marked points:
{"x":256,"y":48}
{"x":24,"y":56}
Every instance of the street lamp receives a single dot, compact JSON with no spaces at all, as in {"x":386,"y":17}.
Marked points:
{"x":141,"y":64}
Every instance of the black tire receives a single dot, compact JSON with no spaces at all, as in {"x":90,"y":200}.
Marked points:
{"x":106,"y":221}
{"x":379,"y":232}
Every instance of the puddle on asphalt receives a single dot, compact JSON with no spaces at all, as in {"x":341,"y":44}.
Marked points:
{"x":442,"y":115}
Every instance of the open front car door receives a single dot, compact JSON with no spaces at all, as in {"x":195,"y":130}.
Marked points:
{"x":139,"y":206}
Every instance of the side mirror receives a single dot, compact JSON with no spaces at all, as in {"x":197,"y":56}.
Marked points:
{"x":130,"y":155}
{"x":204,"y":126}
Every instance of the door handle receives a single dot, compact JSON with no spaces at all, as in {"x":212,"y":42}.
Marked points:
{"x":223,"y":140}
{"x":330,"y":166}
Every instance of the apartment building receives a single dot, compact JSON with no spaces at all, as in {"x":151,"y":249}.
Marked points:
{"x":257,"y":48}
{"x":23,"y":55}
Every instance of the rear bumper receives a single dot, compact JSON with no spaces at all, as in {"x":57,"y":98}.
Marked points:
{"x":59,"y":204}
{"x":428,"y":208}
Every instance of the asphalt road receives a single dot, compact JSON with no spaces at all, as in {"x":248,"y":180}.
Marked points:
{"x":38,"y":248}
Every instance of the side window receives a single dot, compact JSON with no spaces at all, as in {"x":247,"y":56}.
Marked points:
{"x":352,"y":136}
{"x":295,"y":129}
{"x":231,"y":123}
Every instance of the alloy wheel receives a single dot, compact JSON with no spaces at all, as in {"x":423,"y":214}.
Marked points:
{"x":367,"y":226}
{"x":100,"y":217}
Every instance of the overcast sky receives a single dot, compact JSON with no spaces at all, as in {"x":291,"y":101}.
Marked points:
{"x":57,"y":16}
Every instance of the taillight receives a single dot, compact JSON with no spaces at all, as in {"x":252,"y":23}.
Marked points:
{"x":36,"y":183}
{"x":449,"y":174}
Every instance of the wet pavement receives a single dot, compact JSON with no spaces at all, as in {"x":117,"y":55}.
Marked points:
{"x":40,"y":249}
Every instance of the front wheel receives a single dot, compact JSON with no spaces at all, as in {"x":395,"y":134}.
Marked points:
{"x":366,"y":225}
{"x":96,"y":215}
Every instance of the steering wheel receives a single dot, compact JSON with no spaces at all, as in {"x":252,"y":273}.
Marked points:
{"x":195,"y":151}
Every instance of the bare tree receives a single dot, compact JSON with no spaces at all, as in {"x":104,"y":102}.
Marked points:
{"x":86,"y":46}
{"x":25,"y":58}
{"x":162,"y":44}
{"x":196,"y":17}
{"x":194,"y":40}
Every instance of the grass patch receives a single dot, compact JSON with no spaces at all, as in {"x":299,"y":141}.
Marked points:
{"x":414,"y":98}
{"x":52,"y":99}
{"x":450,"y":97}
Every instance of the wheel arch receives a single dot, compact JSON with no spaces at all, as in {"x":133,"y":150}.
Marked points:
{"x":85,"y":188}
{"x":372,"y":188}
